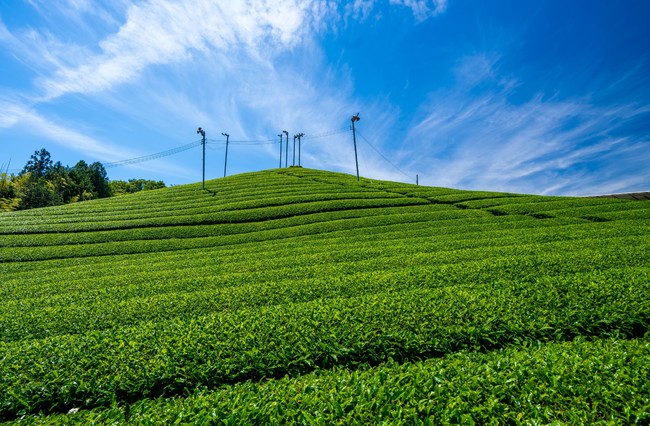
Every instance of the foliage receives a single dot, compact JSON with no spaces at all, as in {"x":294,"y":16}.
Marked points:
{"x":39,"y":164}
{"x":120,"y":187}
{"x":299,"y":296}
{"x":43,"y":183}
{"x":8,"y":200}
{"x":582,"y":382}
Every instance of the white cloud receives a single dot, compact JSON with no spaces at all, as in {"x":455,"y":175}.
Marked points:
{"x":360,"y":9}
{"x":162,"y":32}
{"x":159,"y":32}
{"x":219,"y":72}
{"x":41,"y":51}
{"x":539,"y":146}
{"x":423,"y":9}
{"x":16,"y":115}
{"x":78,"y":10}
{"x":31,"y":122}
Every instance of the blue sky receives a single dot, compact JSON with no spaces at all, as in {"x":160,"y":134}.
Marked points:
{"x":544,"y":97}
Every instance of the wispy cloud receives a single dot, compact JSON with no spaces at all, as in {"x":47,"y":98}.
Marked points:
{"x":243,"y":36}
{"x":481,"y":139}
{"x":423,"y":9}
{"x":31,"y":122}
{"x":359,"y":9}
{"x":77,"y":11}
{"x":235,"y":44}
{"x":160,"y":32}
{"x":15,"y":115}
{"x":256,"y":67}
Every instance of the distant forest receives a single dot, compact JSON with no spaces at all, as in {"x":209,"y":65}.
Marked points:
{"x":44,"y":183}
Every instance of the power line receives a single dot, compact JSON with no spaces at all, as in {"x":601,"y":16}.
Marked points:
{"x":242,"y":142}
{"x":195,"y":144}
{"x":308,"y":136}
{"x":383,"y":156}
{"x":153,"y":156}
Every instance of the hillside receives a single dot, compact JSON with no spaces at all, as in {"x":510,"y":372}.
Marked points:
{"x":303,"y":296}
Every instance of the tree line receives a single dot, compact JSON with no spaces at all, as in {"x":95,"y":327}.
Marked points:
{"x":43,"y":183}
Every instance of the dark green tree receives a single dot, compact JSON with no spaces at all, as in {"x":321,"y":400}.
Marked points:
{"x":43,"y":183}
{"x":59,"y":177}
{"x":39,"y":164}
{"x":121,"y":187}
{"x":82,"y":177}
{"x":99,"y":179}
{"x":38,"y":192}
{"x":34,"y":189}
{"x":7,"y":188}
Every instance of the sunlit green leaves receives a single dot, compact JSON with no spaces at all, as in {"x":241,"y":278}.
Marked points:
{"x":211,"y":297}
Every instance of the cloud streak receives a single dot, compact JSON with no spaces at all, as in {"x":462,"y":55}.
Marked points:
{"x":255,"y":67}
{"x":16,"y":115}
{"x":160,"y":32}
{"x":474,"y":136}
{"x":423,"y":9}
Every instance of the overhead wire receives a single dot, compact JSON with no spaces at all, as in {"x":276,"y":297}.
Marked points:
{"x":382,"y":155}
{"x":209,"y":142}
{"x":242,"y":142}
{"x":153,"y":156}
{"x":327,"y":133}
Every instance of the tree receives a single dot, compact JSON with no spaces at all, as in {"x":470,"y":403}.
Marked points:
{"x":39,"y":164}
{"x":120,"y":187}
{"x":38,"y":192}
{"x":90,"y":181}
{"x":8,"y":197}
{"x":32,"y":186}
{"x":43,"y":183}
{"x":99,"y":179}
{"x":7,"y":189}
{"x":59,"y":176}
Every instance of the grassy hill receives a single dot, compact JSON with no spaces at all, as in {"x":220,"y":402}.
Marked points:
{"x":303,"y":296}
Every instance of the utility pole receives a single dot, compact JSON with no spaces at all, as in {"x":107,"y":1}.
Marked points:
{"x":280,"y":150}
{"x":354,"y":136}
{"x":286,"y":154}
{"x":300,"y":135}
{"x":226,"y":160}
{"x":294,"y":149}
{"x":202,"y":132}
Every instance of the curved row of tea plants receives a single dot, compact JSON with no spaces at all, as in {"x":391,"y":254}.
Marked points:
{"x":164,"y":358}
{"x":583,"y":382}
{"x":296,"y":271}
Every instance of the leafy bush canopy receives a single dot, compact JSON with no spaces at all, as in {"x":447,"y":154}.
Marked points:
{"x":302,"y":296}
{"x":44,"y":183}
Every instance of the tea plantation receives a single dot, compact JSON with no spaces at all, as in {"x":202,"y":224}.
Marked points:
{"x":296,"y":296}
